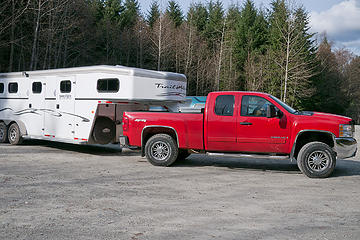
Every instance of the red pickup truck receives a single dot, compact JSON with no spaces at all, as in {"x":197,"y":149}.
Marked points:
{"x":243,"y":122}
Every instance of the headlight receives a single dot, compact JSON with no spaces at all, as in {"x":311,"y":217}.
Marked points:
{"x":345,"y":130}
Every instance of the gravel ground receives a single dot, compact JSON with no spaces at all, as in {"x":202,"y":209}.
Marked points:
{"x":62,"y":191}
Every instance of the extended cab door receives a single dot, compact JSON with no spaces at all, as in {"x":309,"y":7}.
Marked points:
{"x":256,"y":132}
{"x":221,"y":123}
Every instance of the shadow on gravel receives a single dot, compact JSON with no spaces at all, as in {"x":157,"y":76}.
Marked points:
{"x":232,"y":163}
{"x":347,"y":168}
{"x":101,"y":150}
{"x":343,"y":167}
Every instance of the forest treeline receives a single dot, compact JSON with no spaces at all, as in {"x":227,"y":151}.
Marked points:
{"x":239,"y":48}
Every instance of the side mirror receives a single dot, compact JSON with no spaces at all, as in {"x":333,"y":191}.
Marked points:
{"x":271,"y":111}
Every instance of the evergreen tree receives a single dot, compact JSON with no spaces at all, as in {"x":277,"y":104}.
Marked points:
{"x":198,"y":16}
{"x":153,"y":14}
{"x":130,"y":14}
{"x":214,"y":26}
{"x":175,"y":13}
{"x":251,"y":35}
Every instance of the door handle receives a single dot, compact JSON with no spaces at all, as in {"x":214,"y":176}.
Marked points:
{"x":245,"y":123}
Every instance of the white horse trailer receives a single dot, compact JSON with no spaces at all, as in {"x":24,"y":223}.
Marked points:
{"x":81,"y":105}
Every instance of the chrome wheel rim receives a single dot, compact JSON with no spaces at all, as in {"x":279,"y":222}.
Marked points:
{"x":160,"y":150}
{"x":318,"y":161}
{"x":13,"y":134}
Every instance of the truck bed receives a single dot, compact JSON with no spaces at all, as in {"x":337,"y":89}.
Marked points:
{"x":187,"y":126}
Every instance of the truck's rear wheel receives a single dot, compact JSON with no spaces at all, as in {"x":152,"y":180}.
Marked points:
{"x":14,"y":134}
{"x":3,"y":133}
{"x":161,"y":150}
{"x":316,"y":160}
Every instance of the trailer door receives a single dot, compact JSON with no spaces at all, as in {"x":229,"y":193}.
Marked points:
{"x":65,"y":107}
{"x":36,"y":116}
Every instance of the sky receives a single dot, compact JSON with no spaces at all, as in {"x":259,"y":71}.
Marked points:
{"x":339,"y":19}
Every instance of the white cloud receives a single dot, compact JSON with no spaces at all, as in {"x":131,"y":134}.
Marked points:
{"x":341,"y":23}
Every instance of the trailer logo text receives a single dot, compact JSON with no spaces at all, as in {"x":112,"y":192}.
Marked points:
{"x":173,"y":86}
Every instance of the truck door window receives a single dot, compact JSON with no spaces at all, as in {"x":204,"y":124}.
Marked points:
{"x":1,"y":88}
{"x":254,"y":106}
{"x":65,"y":86}
{"x":224,"y":105}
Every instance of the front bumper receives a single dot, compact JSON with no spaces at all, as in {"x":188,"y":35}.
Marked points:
{"x":345,"y":147}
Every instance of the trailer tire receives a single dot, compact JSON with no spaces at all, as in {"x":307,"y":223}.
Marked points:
{"x":316,"y":160}
{"x":3,"y":133}
{"x":14,"y":134}
{"x":161,"y":150}
{"x":104,"y":130}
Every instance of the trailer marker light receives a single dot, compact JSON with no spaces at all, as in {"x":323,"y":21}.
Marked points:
{"x":108,"y":102}
{"x":47,"y":135}
{"x":76,"y":138}
{"x":83,"y":139}
{"x":92,"y":111}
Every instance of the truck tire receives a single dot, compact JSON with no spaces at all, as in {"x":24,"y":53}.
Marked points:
{"x":14,"y":134}
{"x":3,"y":133}
{"x":161,"y":150}
{"x":182,"y":155}
{"x":316,"y":160}
{"x":104,"y":130}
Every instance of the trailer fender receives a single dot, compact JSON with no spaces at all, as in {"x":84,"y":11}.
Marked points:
{"x":20,"y":123}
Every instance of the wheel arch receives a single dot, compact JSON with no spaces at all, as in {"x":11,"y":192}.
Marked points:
{"x":20,"y":123}
{"x":305,"y":136}
{"x":149,"y":131}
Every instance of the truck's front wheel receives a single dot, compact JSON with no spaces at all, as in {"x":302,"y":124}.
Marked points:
{"x":316,"y":160}
{"x":161,"y":150}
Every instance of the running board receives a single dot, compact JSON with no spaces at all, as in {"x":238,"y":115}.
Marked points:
{"x":240,"y":155}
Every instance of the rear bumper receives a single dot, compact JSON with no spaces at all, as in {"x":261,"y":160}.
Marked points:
{"x":345,"y":147}
{"x":124,"y":141}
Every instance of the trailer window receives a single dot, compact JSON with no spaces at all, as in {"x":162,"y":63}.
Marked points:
{"x":224,"y":105}
{"x":36,"y":87}
{"x":108,"y":85}
{"x":13,"y":87}
{"x":65,"y":86}
{"x":1,"y":88}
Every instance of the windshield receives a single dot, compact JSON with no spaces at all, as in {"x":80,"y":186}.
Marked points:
{"x":284,"y":105}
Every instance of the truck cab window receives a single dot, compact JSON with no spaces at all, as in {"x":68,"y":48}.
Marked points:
{"x":224,"y":105}
{"x":65,"y":86}
{"x":1,"y":88}
{"x":254,"y":106}
{"x":108,"y":85}
{"x":36,"y":87}
{"x":13,"y":87}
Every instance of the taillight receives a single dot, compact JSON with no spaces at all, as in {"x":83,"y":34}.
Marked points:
{"x":125,"y":124}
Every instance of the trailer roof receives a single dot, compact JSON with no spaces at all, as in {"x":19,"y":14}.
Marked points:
{"x":122,"y":70}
